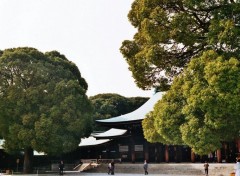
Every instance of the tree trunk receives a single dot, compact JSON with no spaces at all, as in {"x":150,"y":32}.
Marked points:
{"x":28,"y":157}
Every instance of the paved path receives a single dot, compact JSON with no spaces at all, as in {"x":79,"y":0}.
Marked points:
{"x":91,"y":174}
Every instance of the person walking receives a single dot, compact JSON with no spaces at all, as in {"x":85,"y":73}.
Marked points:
{"x":206,"y":165}
{"x":61,"y":167}
{"x":112,"y":167}
{"x":237,"y":167}
{"x":109,"y":168}
{"x":145,"y":167}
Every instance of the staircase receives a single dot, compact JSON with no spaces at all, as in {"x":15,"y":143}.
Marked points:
{"x":215,"y":169}
{"x":85,"y":167}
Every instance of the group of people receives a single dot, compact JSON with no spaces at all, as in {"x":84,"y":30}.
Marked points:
{"x":111,"y":167}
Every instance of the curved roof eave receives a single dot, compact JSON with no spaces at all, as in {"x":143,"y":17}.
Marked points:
{"x":113,"y":132}
{"x":137,"y":115}
{"x":92,"y":141}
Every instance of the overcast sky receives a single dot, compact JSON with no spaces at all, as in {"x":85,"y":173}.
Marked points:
{"x":87,"y":32}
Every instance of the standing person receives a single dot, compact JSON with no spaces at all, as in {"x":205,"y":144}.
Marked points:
{"x":112,"y":167}
{"x":109,"y":168}
{"x":61,"y":166}
{"x":237,"y":167}
{"x":206,"y":165}
{"x":145,"y":167}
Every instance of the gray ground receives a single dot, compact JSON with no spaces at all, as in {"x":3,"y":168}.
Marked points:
{"x":89,"y":174}
{"x":92,"y":174}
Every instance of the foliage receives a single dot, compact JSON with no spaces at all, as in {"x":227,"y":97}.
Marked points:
{"x":150,"y":132}
{"x":43,"y":102}
{"x":112,"y":105}
{"x":171,"y":33}
{"x":202,"y":107}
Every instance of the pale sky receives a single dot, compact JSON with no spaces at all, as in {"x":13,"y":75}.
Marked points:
{"x":87,"y":32}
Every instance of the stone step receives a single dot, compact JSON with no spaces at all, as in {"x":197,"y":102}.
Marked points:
{"x":215,"y":169}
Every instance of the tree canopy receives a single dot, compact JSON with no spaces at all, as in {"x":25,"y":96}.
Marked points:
{"x":43,"y":102}
{"x":170,"y":33}
{"x":111,"y":105}
{"x":202,"y":107}
{"x":191,"y":50}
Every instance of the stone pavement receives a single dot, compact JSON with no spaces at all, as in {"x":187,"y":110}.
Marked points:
{"x":91,"y":174}
{"x":183,"y":169}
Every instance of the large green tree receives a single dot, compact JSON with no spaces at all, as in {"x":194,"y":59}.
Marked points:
{"x":202,"y":107}
{"x":171,"y":32}
{"x":43,"y":103}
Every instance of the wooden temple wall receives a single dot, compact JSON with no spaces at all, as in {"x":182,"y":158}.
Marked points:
{"x":137,"y":150}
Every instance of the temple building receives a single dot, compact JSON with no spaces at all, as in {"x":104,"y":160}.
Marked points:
{"x":125,"y":140}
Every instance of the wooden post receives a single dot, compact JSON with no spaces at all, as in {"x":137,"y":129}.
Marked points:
{"x":219,"y":156}
{"x":238,"y":147}
{"x":166,"y":154}
{"x":192,"y":156}
{"x":225,"y":146}
{"x":133,"y":150}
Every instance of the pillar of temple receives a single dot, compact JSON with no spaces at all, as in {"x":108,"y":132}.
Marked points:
{"x":133,"y":157}
{"x":219,"y":156}
{"x":192,"y":156}
{"x":238,"y":147}
{"x":166,"y":154}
